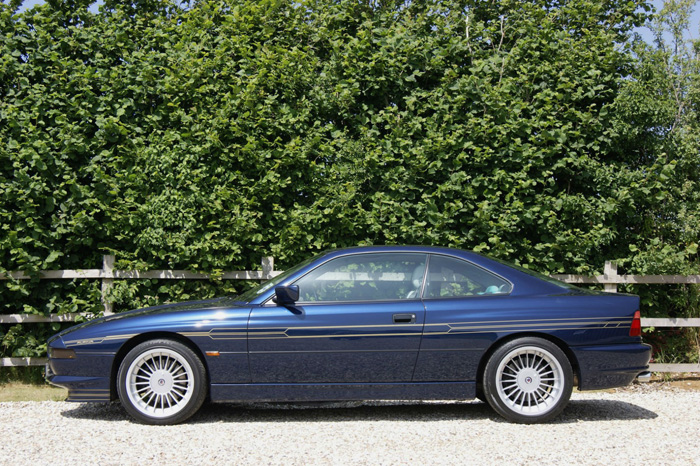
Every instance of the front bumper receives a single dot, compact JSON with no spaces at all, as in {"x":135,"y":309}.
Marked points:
{"x":86,"y":377}
{"x":81,"y":389}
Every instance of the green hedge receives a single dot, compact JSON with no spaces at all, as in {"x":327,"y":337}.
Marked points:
{"x":206,"y":135}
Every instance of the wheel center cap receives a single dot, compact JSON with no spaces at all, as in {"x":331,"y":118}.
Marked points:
{"x":161,"y":382}
{"x":528,"y":380}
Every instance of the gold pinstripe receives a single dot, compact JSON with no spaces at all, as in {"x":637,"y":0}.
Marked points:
{"x":350,"y":326}
{"x":577,"y":319}
{"x":517,"y":328}
{"x":97,"y":341}
{"x":453,"y":328}
{"x":474,"y":327}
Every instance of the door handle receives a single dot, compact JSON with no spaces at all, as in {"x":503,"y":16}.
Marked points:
{"x":404,"y":318}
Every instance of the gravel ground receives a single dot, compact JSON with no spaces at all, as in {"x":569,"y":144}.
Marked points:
{"x":650,"y":423}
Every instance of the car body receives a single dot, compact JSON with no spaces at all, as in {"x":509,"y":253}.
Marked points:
{"x":365,"y":323}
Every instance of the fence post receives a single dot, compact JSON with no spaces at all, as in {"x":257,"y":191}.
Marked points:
{"x":107,"y":280}
{"x":610,"y":272}
{"x":268,"y":266}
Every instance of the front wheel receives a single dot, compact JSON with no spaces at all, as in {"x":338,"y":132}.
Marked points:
{"x":528,"y":380}
{"x":161,"y":382}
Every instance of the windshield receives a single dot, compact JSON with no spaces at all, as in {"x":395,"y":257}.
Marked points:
{"x":253,"y":293}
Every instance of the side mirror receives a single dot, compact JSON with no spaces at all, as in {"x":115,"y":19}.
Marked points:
{"x":285,"y":295}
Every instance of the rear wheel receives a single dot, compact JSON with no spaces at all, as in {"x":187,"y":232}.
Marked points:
{"x":161,"y":382}
{"x":528,"y":380}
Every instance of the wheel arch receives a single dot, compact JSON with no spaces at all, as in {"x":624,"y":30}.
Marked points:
{"x":514,"y":336}
{"x":143,"y":337}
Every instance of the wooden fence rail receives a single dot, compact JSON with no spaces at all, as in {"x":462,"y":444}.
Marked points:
{"x":610,"y":280}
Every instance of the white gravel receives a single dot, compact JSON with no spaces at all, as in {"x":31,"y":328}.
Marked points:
{"x":651,"y":423}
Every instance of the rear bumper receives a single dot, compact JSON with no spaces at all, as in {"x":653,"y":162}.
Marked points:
{"x":611,"y":366}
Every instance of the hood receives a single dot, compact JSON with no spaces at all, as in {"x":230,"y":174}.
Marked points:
{"x":217,"y":303}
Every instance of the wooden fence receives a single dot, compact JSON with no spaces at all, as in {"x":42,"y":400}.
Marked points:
{"x":107,"y":274}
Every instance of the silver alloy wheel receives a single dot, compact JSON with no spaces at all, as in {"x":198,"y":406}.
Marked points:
{"x":530,"y":381}
{"x":160,"y":382}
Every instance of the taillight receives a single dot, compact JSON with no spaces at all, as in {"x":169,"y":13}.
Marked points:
{"x":636,"y":328}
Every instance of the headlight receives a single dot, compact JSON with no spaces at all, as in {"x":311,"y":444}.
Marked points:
{"x":61,"y":353}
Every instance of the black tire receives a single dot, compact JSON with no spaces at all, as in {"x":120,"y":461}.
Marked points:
{"x":480,"y":393}
{"x":161,"y":382}
{"x":528,"y":380}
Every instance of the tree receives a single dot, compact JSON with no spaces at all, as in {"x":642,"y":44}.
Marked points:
{"x":658,"y":105}
{"x":207,"y":135}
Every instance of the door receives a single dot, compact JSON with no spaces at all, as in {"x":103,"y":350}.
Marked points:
{"x":359,"y":319}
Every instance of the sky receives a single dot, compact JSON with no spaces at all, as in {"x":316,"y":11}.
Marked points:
{"x":30,"y":3}
{"x":694,"y":22}
{"x":644,"y":32}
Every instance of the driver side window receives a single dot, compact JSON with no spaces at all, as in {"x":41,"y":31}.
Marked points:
{"x":365,"y":277}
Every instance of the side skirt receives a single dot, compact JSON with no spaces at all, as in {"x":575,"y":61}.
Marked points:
{"x":343,"y":392}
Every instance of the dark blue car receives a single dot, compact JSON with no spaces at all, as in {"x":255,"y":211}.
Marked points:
{"x":372,"y":323}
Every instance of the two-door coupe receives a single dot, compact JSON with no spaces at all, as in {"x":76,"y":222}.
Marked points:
{"x":370,"y":323}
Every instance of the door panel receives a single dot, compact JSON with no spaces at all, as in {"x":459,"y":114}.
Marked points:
{"x":359,"y":319}
{"x":356,"y":342}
